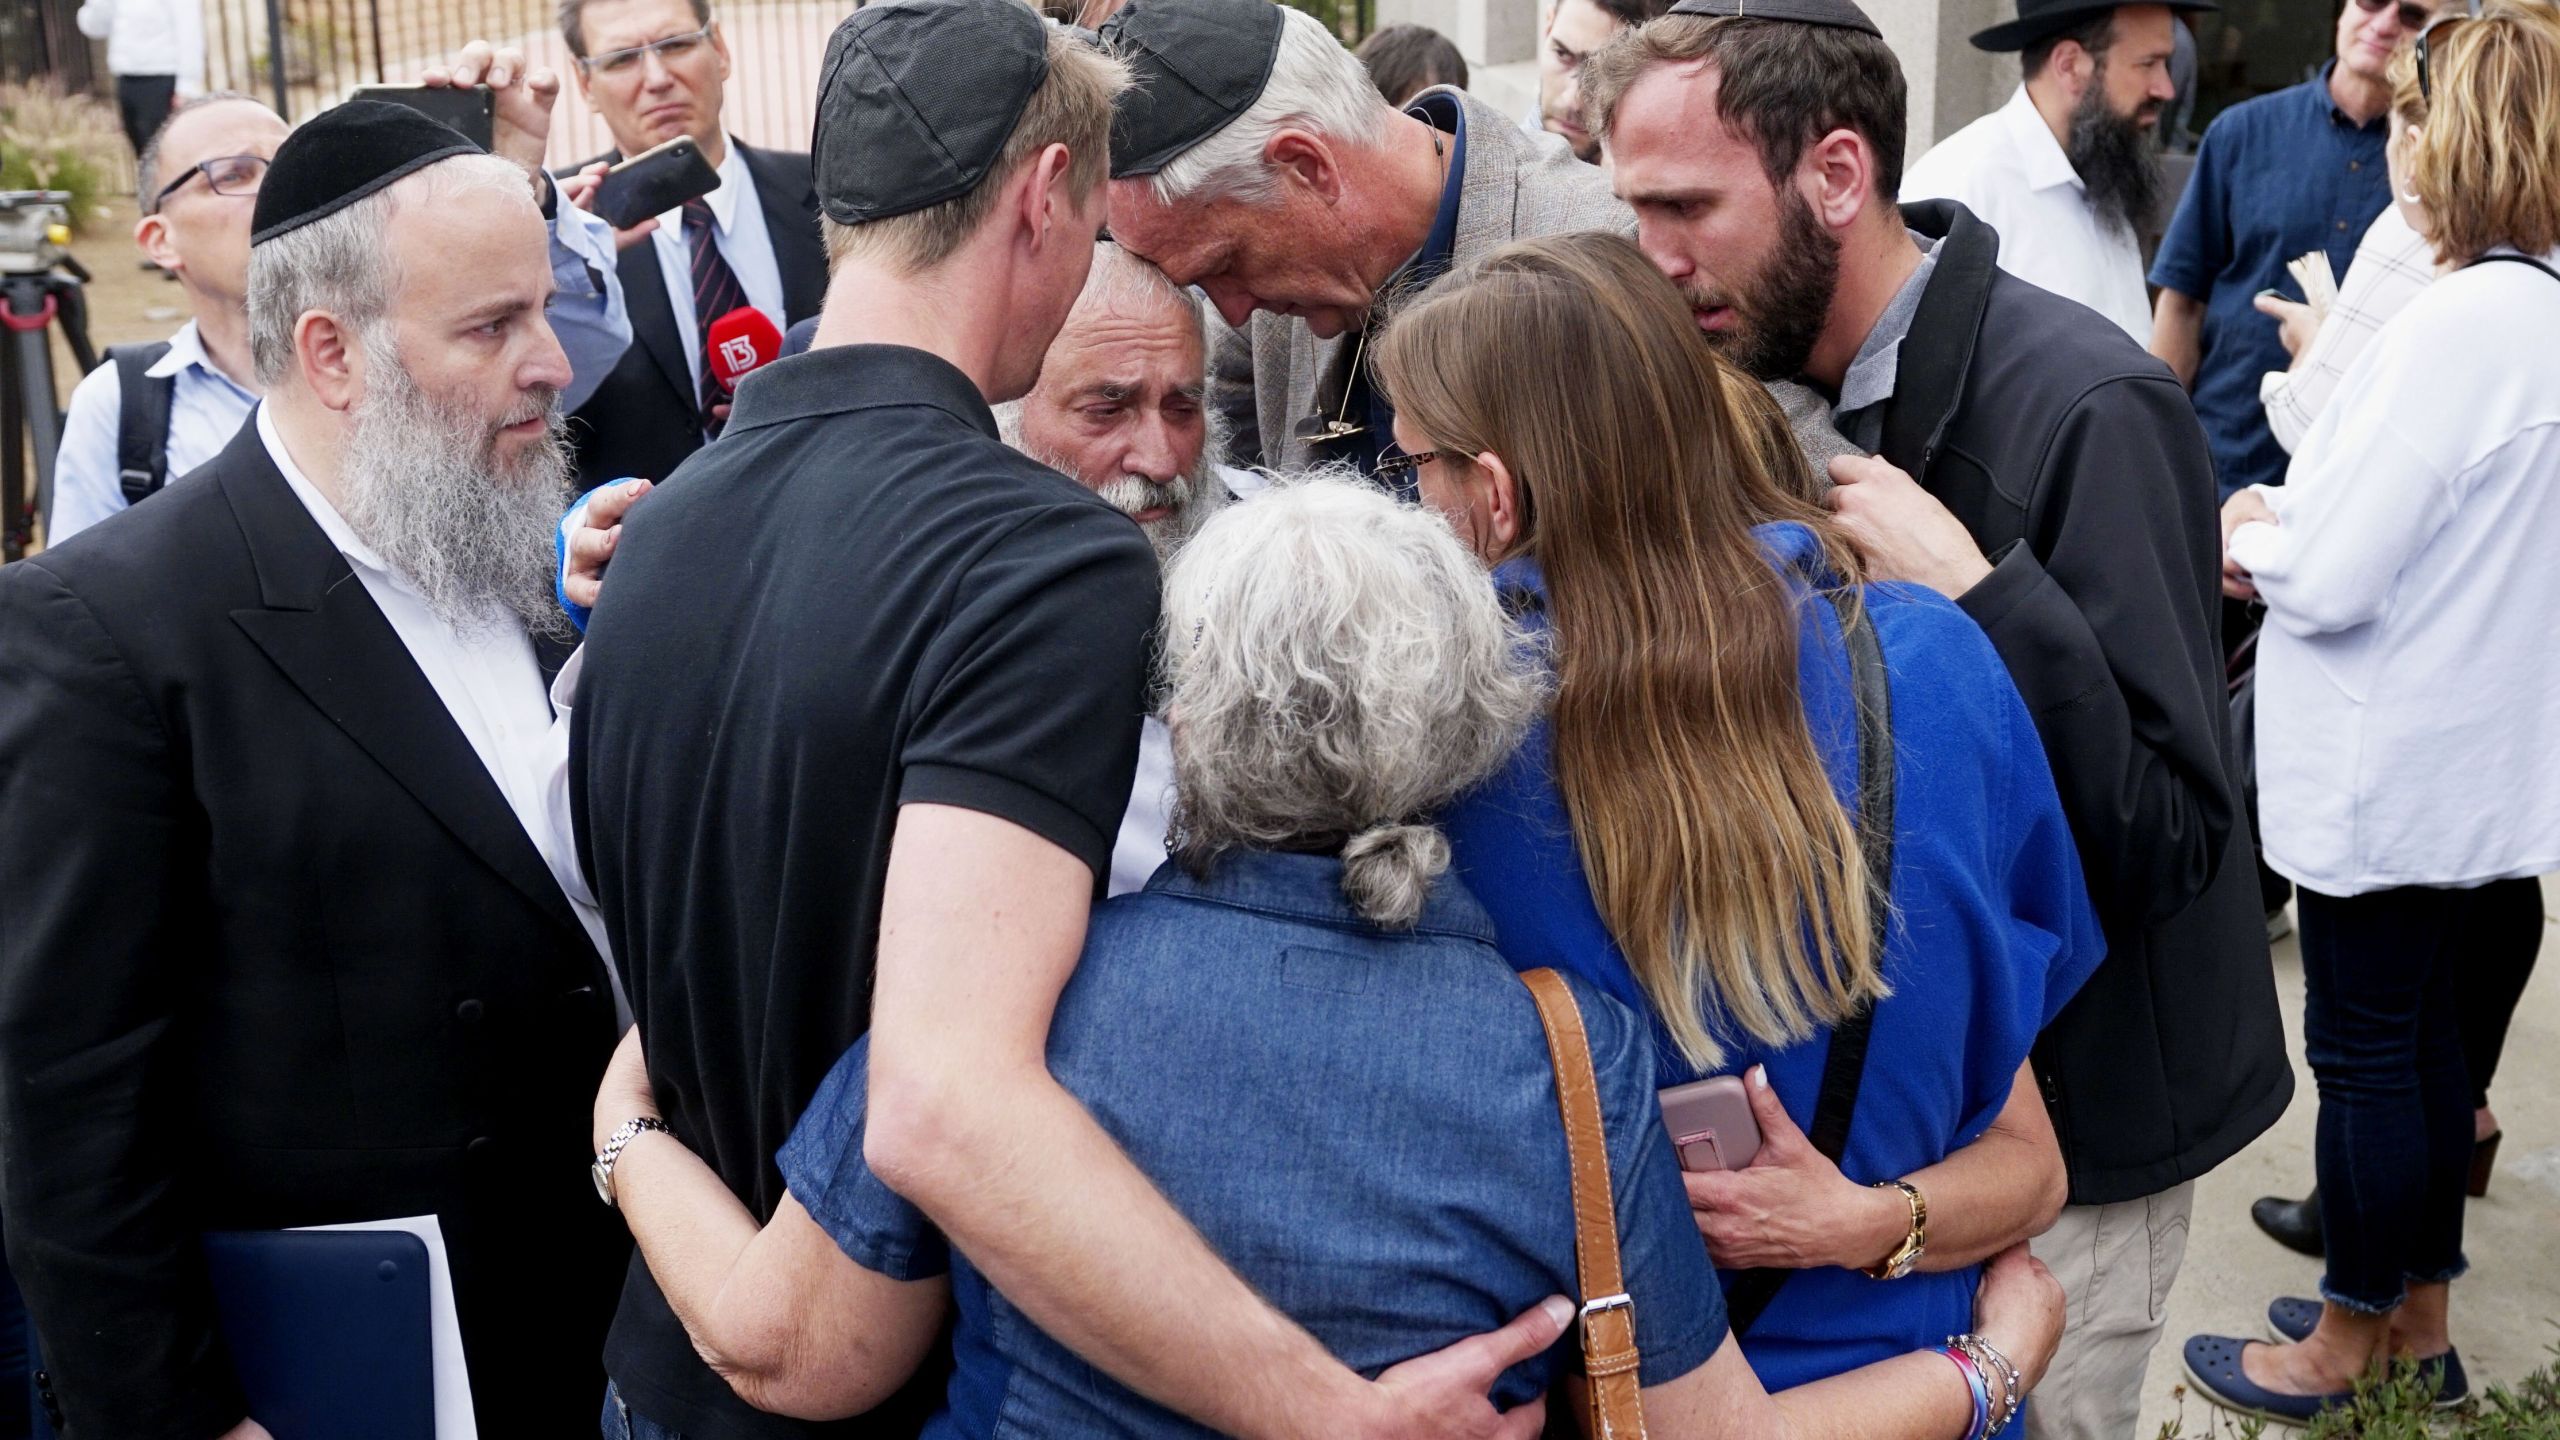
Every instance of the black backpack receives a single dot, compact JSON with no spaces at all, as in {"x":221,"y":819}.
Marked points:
{"x":142,"y":425}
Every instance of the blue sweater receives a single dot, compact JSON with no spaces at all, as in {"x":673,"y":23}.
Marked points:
{"x":1992,"y":929}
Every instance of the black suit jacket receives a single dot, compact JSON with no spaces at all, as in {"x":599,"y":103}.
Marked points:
{"x":275,"y":952}
{"x":641,"y":421}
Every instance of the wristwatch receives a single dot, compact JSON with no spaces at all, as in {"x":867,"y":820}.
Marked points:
{"x":1915,"y":1242}
{"x":602,"y":1171}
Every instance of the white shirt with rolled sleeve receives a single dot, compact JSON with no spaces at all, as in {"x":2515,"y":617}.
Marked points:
{"x":2011,"y":173}
{"x":149,"y":37}
{"x":738,"y":229}
{"x":2407,"y":703}
{"x":208,"y":407}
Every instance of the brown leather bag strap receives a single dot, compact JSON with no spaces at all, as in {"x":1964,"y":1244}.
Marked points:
{"x":1608,"y":1318}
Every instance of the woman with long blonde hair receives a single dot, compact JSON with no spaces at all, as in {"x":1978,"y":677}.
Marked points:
{"x":1684,"y":826}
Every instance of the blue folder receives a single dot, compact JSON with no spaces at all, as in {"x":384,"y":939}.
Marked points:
{"x":327,"y":1330}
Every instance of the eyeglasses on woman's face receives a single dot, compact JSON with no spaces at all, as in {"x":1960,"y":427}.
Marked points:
{"x":223,"y":175}
{"x":1402,"y":469}
{"x":669,"y":51}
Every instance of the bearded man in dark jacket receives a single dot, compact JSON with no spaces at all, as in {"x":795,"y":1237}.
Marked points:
{"x":2034,"y":465}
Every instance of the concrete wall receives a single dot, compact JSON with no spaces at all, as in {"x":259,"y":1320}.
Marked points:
{"x":1951,"y":82}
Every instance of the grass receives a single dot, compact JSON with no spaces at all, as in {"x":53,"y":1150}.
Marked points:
{"x":53,"y":140}
{"x":2398,"y":1406}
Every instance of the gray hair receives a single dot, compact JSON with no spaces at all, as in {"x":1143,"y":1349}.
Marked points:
{"x":147,"y":177}
{"x":342,"y":263}
{"x":1118,"y":284}
{"x":1338,"y":665}
{"x":1315,"y":85}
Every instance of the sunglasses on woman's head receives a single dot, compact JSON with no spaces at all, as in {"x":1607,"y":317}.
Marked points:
{"x":2426,"y":68}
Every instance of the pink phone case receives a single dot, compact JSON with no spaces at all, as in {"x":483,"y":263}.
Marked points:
{"x":1710,"y":1124}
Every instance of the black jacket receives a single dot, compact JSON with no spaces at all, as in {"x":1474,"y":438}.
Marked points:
{"x":641,"y":421}
{"x":2076,"y":461}
{"x":275,"y":952}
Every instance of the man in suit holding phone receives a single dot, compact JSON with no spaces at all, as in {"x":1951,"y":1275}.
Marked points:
{"x":655,"y":69}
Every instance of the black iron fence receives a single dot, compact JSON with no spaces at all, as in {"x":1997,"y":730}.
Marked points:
{"x":328,"y":47}
{"x":39,"y":38}
{"x":305,"y":55}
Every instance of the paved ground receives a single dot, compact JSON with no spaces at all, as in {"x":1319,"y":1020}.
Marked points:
{"x":2506,"y":1313}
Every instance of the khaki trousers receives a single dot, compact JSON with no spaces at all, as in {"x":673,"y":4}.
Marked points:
{"x":2116,"y":1264}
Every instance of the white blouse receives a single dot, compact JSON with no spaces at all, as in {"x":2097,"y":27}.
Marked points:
{"x":2408,"y":705}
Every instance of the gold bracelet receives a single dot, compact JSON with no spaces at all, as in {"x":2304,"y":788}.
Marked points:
{"x":1915,"y":1241}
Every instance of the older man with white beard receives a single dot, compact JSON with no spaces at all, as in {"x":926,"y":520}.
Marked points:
{"x":1119,"y":407}
{"x":286,"y":946}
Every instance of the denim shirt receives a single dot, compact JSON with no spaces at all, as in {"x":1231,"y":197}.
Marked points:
{"x":1362,"y":1122}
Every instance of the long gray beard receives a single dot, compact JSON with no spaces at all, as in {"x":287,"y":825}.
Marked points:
{"x":425,"y":487}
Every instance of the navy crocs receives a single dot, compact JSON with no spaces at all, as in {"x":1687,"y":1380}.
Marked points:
{"x":2213,"y":1367}
{"x":2293,"y":1317}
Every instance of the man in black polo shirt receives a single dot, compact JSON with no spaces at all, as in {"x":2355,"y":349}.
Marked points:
{"x":853,"y":738}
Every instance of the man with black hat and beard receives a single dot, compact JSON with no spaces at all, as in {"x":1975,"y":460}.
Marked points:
{"x":286,"y":944}
{"x":2034,"y":465}
{"x":854,"y":731}
{"x":2069,"y":170}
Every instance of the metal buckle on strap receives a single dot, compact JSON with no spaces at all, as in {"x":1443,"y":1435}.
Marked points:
{"x":1619,"y":1301}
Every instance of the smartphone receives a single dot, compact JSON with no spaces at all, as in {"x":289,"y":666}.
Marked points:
{"x":467,"y":108}
{"x":654,"y":182}
{"x":1710,"y":1124}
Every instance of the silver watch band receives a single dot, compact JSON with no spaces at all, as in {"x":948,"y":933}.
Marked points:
{"x":602,"y":1171}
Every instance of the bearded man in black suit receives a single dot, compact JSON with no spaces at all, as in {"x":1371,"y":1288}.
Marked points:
{"x":293,"y":936}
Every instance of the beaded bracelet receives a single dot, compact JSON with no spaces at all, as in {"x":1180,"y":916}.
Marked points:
{"x":1988,"y":1359}
{"x":1979,"y":1427}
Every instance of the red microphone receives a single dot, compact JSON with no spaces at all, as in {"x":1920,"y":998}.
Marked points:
{"x":739,"y":342}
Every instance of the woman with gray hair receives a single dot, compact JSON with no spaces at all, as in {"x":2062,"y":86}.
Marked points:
{"x":1304,"y":1036}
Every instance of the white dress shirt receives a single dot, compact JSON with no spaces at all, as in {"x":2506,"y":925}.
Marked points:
{"x":491,"y":686}
{"x":2011,"y":173}
{"x":2393,"y":263}
{"x":208,"y":407}
{"x":150,"y":37}
{"x":738,"y":228}
{"x":1139,"y":851}
{"x":2408,"y":711}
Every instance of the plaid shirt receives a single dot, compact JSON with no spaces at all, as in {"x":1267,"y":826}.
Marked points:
{"x":2393,"y":263}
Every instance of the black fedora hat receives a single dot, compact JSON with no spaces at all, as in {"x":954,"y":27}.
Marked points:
{"x":2038,"y":19}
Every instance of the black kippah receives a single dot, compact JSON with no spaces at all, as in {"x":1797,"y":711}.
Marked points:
{"x":1199,"y":64}
{"x":343,"y":154}
{"x":1838,"y":14}
{"x":917,"y":99}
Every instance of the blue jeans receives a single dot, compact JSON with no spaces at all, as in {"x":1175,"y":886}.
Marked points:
{"x":2384,"y":1033}
{"x":621,"y":1422}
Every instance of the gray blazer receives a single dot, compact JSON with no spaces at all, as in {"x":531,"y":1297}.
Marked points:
{"x":1267,"y":376}
{"x":1264,"y":378}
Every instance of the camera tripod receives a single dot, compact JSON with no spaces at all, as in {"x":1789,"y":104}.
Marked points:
{"x":30,"y":426}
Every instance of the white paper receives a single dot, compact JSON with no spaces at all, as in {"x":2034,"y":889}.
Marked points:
{"x":454,"y":1419}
